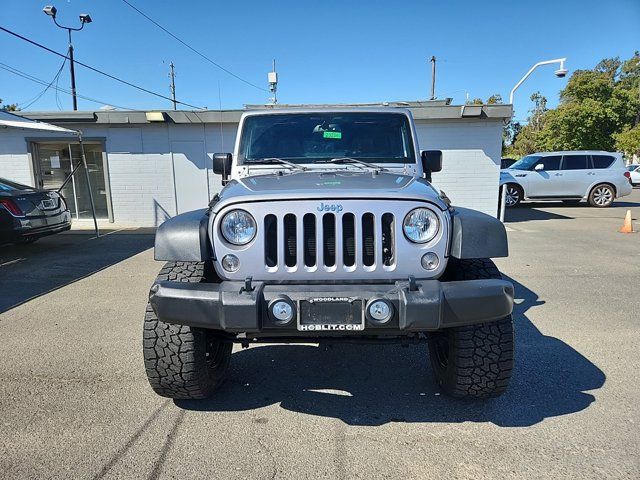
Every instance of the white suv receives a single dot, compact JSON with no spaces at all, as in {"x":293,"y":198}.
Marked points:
{"x":595,"y":176}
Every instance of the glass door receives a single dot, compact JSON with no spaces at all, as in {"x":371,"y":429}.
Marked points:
{"x":56,"y":161}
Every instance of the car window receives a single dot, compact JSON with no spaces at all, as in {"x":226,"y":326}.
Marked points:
{"x":602,"y":161}
{"x":575,"y":162}
{"x":550,"y":163}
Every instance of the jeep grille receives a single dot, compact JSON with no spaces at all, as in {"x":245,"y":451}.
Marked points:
{"x":297,"y":240}
{"x":329,"y":240}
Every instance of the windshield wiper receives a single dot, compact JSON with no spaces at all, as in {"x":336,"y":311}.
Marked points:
{"x":271,"y":160}
{"x":357,"y":162}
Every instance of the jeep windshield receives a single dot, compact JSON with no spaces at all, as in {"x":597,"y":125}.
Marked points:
{"x":324,"y":137}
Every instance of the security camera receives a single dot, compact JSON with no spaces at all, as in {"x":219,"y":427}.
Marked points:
{"x":50,"y":10}
{"x":85,"y":18}
{"x":561,"y":72}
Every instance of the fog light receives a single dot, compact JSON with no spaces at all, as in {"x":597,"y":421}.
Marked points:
{"x":380,"y":310}
{"x":430,"y":261}
{"x":230,"y":263}
{"x":281,"y":310}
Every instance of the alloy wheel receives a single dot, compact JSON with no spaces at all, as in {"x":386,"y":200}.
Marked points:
{"x":602,"y":196}
{"x":512,"y":196}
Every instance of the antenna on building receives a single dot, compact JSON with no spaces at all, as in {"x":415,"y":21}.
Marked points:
{"x":172,"y":85}
{"x":433,"y":77}
{"x":272,"y":77}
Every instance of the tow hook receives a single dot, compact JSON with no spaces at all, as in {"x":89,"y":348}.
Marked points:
{"x":247,"y":285}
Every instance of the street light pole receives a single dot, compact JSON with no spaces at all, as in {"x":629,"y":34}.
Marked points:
{"x":560,"y":73}
{"x":73,"y":73}
{"x":84,"y":19}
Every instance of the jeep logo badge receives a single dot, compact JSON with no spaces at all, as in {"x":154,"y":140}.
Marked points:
{"x":330,"y":207}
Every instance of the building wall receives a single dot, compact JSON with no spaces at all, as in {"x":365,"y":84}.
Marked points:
{"x":156,"y":171}
{"x":14,"y":160}
{"x":471,"y":151}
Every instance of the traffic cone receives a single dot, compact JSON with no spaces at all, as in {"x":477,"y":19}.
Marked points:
{"x":627,"y":226}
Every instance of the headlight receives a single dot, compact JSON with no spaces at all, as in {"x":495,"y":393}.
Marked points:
{"x":421,"y":225}
{"x":238,"y":227}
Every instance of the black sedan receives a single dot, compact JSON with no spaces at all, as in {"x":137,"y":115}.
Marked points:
{"x":27,"y":214}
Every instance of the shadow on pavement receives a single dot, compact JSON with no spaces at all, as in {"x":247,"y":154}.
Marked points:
{"x":539,"y":210}
{"x":376,"y":384}
{"x":527,"y":212}
{"x":29,"y":271}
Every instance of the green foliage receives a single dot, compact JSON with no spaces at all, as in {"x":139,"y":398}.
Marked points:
{"x":599,"y":109}
{"x":628,"y":141}
{"x":8,"y":108}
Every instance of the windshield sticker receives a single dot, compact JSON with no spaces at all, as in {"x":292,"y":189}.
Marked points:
{"x":336,"y":135}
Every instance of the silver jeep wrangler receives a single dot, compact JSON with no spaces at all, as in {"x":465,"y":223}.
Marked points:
{"x":328,"y":230}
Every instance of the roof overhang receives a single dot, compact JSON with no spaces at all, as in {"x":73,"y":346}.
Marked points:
{"x":11,"y":120}
{"x":427,"y":110}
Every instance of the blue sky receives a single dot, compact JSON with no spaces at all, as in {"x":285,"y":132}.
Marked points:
{"x":331,"y":51}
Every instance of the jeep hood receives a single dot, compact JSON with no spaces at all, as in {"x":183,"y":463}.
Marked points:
{"x":323,"y":185}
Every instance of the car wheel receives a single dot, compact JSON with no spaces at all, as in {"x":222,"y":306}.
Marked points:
{"x":602,"y":196}
{"x":473,"y":361}
{"x":183,"y":362}
{"x":513,"y":194}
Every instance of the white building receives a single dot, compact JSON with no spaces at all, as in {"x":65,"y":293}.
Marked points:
{"x":148,"y":166}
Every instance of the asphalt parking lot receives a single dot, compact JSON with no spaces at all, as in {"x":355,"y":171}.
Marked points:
{"x":74,"y":400}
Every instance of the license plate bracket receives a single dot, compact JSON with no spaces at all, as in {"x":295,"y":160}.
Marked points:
{"x":331,"y":314}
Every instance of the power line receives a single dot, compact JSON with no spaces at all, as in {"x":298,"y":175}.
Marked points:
{"x":197,"y":52}
{"x":113,"y":77}
{"x":54,"y":79}
{"x":27,"y":76}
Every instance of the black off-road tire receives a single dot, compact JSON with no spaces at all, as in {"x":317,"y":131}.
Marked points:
{"x":183,"y":362}
{"x":473,"y":361}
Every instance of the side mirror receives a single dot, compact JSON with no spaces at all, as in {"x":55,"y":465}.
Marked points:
{"x":222,"y":165}
{"x":431,"y":162}
{"x":539,"y":167}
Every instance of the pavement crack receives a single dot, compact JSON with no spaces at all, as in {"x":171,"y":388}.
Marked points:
{"x":168,"y":443}
{"x":132,"y":440}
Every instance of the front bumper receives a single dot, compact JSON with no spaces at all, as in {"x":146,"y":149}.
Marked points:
{"x":429,"y":305}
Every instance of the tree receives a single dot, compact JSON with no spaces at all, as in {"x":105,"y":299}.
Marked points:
{"x":599,"y":109}
{"x":628,"y":142}
{"x":526,"y":139}
{"x":494,"y":99}
{"x":8,"y":108}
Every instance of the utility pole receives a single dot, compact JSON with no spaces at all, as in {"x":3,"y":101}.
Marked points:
{"x":172,"y":85}
{"x":272,"y":78}
{"x":73,"y":73}
{"x":433,"y":77}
